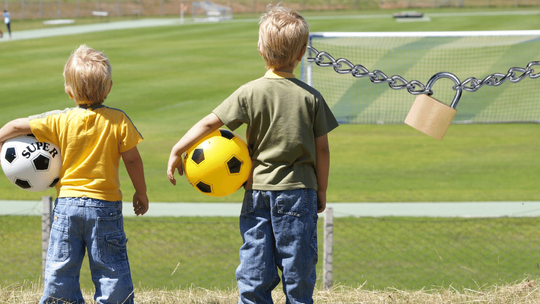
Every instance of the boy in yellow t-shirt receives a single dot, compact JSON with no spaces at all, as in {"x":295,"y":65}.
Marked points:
{"x":88,"y":211}
{"x":287,"y":134}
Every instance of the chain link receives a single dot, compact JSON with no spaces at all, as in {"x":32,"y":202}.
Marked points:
{"x":415,"y":87}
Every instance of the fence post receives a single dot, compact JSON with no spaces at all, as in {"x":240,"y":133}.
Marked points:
{"x":46,"y":222}
{"x":328,"y":248}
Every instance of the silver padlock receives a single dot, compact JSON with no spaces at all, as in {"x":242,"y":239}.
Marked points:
{"x":429,"y":115}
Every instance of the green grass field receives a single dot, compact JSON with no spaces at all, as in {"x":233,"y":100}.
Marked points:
{"x":405,"y":253}
{"x":167,"y":78}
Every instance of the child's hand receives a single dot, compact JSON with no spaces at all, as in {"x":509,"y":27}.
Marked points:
{"x":205,"y":126}
{"x":140,"y":203}
{"x":321,"y":201}
{"x":171,"y":168}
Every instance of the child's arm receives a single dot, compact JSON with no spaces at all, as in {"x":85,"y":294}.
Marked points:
{"x":14,"y":128}
{"x":205,"y":126}
{"x":134,"y":166}
{"x":323,"y":169}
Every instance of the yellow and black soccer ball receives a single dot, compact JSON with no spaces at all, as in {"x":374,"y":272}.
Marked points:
{"x":219,"y":164}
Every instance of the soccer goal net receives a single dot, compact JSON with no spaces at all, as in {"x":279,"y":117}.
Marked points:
{"x":419,"y":56}
{"x":205,"y":11}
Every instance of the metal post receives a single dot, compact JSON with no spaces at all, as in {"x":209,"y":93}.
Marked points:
{"x":328,"y":248}
{"x":59,"y":9}
{"x":22,"y":6}
{"x":309,"y":66}
{"x":46,"y":222}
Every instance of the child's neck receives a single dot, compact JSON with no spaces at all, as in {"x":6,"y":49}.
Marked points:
{"x":284,"y":69}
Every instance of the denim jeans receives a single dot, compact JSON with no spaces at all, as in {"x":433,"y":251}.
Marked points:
{"x":279,"y":230}
{"x":97,"y":226}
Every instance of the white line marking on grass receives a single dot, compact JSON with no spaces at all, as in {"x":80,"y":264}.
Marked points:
{"x":90,"y":28}
{"x":436,"y":209}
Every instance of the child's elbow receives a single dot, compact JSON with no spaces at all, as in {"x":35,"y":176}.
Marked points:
{"x":323,"y":150}
{"x":131,"y":156}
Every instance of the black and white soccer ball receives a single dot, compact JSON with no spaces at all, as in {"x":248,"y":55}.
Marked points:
{"x":31,"y":165}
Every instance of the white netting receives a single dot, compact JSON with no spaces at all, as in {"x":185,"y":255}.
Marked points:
{"x":418,"y":56}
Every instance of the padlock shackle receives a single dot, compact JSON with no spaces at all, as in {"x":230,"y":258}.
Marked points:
{"x":457,"y":87}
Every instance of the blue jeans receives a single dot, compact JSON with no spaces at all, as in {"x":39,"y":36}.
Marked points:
{"x":97,"y":226}
{"x":279,"y":230}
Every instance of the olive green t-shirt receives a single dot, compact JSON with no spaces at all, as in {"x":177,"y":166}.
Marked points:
{"x":283,"y":116}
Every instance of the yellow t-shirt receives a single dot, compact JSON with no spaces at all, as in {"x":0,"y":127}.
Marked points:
{"x":91,"y":142}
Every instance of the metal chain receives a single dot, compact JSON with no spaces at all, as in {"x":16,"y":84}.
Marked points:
{"x":415,"y":87}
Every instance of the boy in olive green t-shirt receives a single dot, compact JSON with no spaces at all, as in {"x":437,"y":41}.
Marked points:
{"x":287,"y":126}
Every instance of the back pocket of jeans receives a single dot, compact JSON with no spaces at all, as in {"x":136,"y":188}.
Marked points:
{"x":112,"y":241}
{"x":293,"y":202}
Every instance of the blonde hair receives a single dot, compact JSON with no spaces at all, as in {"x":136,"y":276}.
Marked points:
{"x":283,"y":34}
{"x":88,"y":76}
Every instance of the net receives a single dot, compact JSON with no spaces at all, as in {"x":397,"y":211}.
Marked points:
{"x":205,"y":11}
{"x":419,"y":56}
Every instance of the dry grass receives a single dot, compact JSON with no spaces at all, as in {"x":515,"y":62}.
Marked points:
{"x":523,"y":292}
